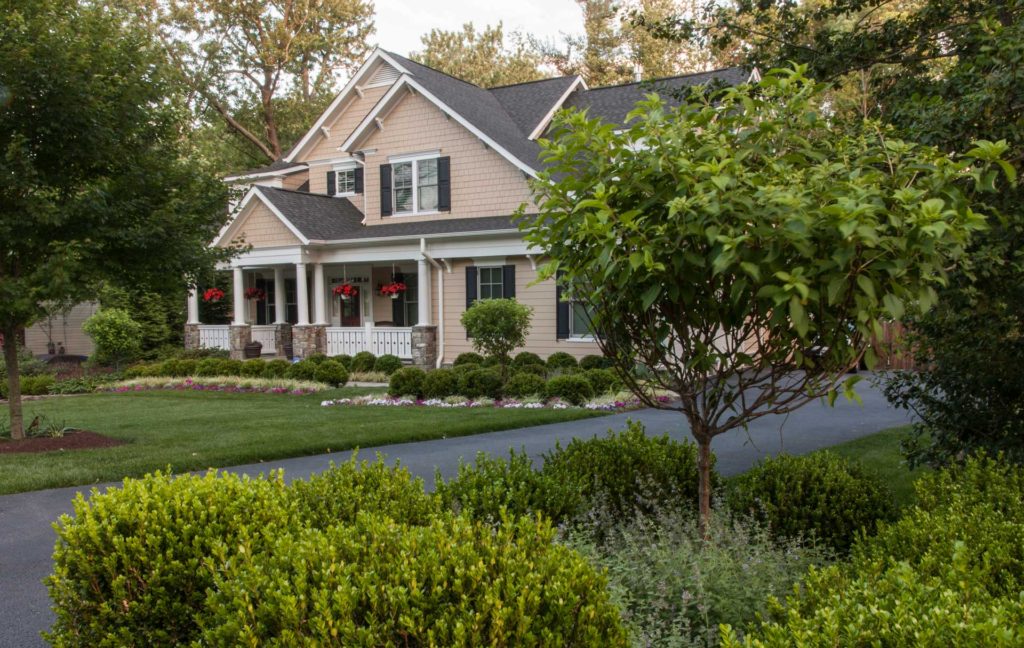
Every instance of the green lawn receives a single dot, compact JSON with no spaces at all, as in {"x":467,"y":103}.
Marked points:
{"x":881,"y":453}
{"x":193,"y":431}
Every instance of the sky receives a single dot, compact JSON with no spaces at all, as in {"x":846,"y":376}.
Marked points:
{"x":400,"y":23}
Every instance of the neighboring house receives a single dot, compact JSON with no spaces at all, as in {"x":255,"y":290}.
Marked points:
{"x":412,"y":175}
{"x":63,"y":331}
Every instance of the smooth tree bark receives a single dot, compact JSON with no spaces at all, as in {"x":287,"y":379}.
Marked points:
{"x":11,"y":336}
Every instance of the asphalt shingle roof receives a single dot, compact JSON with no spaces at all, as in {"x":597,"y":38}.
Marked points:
{"x":277,"y":165}
{"x":528,"y":103}
{"x":326,"y":218}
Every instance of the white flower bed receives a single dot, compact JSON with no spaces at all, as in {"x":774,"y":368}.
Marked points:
{"x":613,"y":404}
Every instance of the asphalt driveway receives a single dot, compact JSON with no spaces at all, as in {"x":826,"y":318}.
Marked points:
{"x":27,"y":537}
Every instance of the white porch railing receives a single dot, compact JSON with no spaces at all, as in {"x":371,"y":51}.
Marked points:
{"x":350,"y":340}
{"x":264,"y":334}
{"x":213,"y":336}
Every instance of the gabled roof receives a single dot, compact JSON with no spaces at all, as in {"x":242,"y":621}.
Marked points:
{"x":528,"y":104}
{"x":277,"y":168}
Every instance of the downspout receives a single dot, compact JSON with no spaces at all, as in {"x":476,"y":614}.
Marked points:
{"x":440,"y":302}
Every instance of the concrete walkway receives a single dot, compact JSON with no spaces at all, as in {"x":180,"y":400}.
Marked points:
{"x":27,"y":538}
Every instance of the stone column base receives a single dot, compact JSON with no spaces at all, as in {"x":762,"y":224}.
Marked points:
{"x":282,"y":337}
{"x":191,"y":336}
{"x":424,"y":347}
{"x":310,"y":339}
{"x":239,"y":336}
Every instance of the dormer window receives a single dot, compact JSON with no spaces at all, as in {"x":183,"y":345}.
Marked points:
{"x":345,"y":180}
{"x":419,"y":184}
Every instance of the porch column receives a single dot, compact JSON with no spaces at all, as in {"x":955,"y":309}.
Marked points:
{"x":239,"y":294}
{"x":302,"y":289}
{"x":280,"y":299}
{"x":193,"y":306}
{"x":319,"y":305}
{"x":424,"y":303}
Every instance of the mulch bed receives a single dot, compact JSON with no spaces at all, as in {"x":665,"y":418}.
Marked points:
{"x":77,"y":440}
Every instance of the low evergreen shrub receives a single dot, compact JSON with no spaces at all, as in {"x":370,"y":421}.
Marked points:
{"x":465,"y":368}
{"x":345,"y":360}
{"x":277,"y":368}
{"x":302,"y":370}
{"x":480,"y":382}
{"x":387,"y":364}
{"x":468,"y":358}
{"x":560,"y":360}
{"x":525,"y":385}
{"x":588,"y":362}
{"x":230,"y":367}
{"x":316,"y":358}
{"x":331,"y":373}
{"x":571,"y":388}
{"x":207,"y":367}
{"x":407,"y":381}
{"x":524,"y":359}
{"x":254,"y":368}
{"x":603,"y":381}
{"x":38,"y":385}
{"x":363,"y":362}
{"x":440,"y":383}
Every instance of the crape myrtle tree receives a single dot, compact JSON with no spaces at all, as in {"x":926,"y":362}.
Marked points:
{"x":94,"y":187}
{"x":741,"y":251}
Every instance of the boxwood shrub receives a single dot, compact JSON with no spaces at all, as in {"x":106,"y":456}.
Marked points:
{"x":480,"y":382}
{"x":525,"y":385}
{"x":820,"y":495}
{"x":603,"y":381}
{"x":468,"y":358}
{"x":230,"y":367}
{"x":572,"y":388}
{"x":440,"y":383}
{"x":560,"y":360}
{"x":254,"y":368}
{"x":344,"y":359}
{"x":387,"y":364}
{"x":331,"y":373}
{"x":363,"y":362}
{"x":207,"y":367}
{"x":302,"y":370}
{"x":277,"y":368}
{"x":526,"y":358}
{"x":407,"y":381}
{"x":316,"y":358}
{"x":595,"y":362}
{"x":38,"y":385}
{"x":379,"y":582}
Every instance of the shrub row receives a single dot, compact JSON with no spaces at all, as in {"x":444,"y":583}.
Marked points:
{"x":475,"y":381}
{"x":36,"y":385}
{"x":321,"y":369}
{"x":556,"y":362}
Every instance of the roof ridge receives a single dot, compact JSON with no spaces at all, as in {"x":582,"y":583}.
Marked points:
{"x":668,"y":78}
{"x":435,"y":70}
{"x":293,"y":191}
{"x":522,"y":83}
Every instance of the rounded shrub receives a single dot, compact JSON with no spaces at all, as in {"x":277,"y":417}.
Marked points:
{"x":465,"y":368}
{"x":468,"y":358}
{"x":821,"y":495}
{"x":490,"y":362}
{"x":316,"y":358}
{"x":331,"y":373}
{"x":276,"y":368}
{"x":524,"y":385}
{"x":380,"y":582}
{"x":535,"y":369}
{"x":571,"y":388}
{"x":407,"y":381}
{"x":363,"y":362}
{"x":230,"y":367}
{"x":137,"y":370}
{"x":595,"y":362}
{"x":302,"y":370}
{"x":254,"y":368}
{"x":560,"y":360}
{"x":440,"y":383}
{"x":169,"y":369}
{"x":387,"y":364}
{"x":38,"y":385}
{"x":602,"y":381}
{"x":480,"y":382}
{"x":208,"y":367}
{"x":133,"y":565}
{"x":187,"y":366}
{"x":525,"y":358}
{"x":344,"y":359}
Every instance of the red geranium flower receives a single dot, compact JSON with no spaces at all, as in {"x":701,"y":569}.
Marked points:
{"x":213,"y":295}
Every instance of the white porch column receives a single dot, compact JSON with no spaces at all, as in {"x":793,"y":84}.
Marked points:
{"x":302,"y":289}
{"x":193,"y":306}
{"x":319,"y":300}
{"x":239,"y":294}
{"x":280,"y":299}
{"x":424,"y":304}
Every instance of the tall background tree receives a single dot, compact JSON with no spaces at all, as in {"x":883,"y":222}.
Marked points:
{"x":483,"y":58}
{"x":95,"y":183}
{"x":259,"y":71}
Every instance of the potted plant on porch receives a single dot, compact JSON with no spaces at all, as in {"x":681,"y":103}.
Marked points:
{"x":213,"y":295}
{"x":257,"y":294}
{"x":346,"y":291}
{"x":392,"y":289}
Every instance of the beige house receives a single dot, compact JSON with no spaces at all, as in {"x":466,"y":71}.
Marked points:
{"x":409,"y":176}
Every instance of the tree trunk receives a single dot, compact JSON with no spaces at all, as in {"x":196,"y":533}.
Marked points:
{"x":11,"y":335}
{"x":704,"y":489}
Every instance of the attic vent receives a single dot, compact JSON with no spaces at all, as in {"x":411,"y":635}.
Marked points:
{"x":385,"y":75}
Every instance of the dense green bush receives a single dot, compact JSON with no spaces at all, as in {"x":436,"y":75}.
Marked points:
{"x":387,"y":364}
{"x":603,"y":381}
{"x":116,"y":336}
{"x":572,"y":388}
{"x":497,"y":327}
{"x":254,"y":368}
{"x":331,"y":373}
{"x":595,"y":362}
{"x":316,"y":358}
{"x":468,"y":358}
{"x":560,"y":360}
{"x":277,"y":368}
{"x":407,"y":381}
{"x":465,"y":368}
{"x":949,"y":573}
{"x":206,"y":367}
{"x":480,"y":382}
{"x":489,"y":485}
{"x":525,"y":385}
{"x":820,"y":495}
{"x":379,"y":582}
{"x":345,"y":360}
{"x":83,"y":385}
{"x":229,"y":367}
{"x":628,"y":472}
{"x":37,"y":385}
{"x":525,"y":358}
{"x":302,"y":370}
{"x":133,"y":566}
{"x":188,"y":366}
{"x":440,"y":383}
{"x":363,"y":362}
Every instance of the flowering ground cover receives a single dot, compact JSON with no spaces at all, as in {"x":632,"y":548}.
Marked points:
{"x":614,"y":403}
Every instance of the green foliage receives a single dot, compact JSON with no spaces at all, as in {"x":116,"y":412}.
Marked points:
{"x":497,"y":326}
{"x":38,"y":385}
{"x":480,"y":382}
{"x":602,"y":381}
{"x":379,"y":582}
{"x":440,"y":383}
{"x":387,"y":364}
{"x":206,"y":367}
{"x":538,"y":370}
{"x":571,"y":388}
{"x":524,"y":358}
{"x":595,"y":362}
{"x":525,"y":385}
{"x":407,"y":381}
{"x":277,"y":368}
{"x":301,"y":370}
{"x":316,"y":358}
{"x":561,"y":360}
{"x":160,"y":315}
{"x":363,"y":362}
{"x":463,"y":369}
{"x":820,"y":495}
{"x":115,"y":335}
{"x":949,"y":572}
{"x":345,"y":360}
{"x":481,"y":58}
{"x":468,"y":357}
{"x":332,"y":373}
{"x":83,"y":385}
{"x":229,"y":367}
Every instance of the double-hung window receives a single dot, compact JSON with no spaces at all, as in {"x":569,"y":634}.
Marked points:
{"x":346,"y":182}
{"x":580,"y":320}
{"x":491,"y":283}
{"x":415,"y":186}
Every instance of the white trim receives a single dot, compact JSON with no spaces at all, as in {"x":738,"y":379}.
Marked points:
{"x":413,"y":237}
{"x":755,"y":76}
{"x":582,"y":339}
{"x":255,"y":191}
{"x":335,"y":161}
{"x":410,"y":157}
{"x":371,"y":116}
{"x":558,"y":104}
{"x":414,"y":161}
{"x":266,"y":174}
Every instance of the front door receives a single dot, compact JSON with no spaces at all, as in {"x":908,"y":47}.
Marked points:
{"x":350,"y":311}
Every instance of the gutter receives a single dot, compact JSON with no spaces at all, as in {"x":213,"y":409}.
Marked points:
{"x":421,"y":237}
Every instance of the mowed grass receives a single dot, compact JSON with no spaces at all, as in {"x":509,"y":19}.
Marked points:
{"x":197,"y":430}
{"x":881,"y":453}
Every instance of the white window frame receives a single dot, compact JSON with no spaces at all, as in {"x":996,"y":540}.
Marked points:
{"x":480,"y":281}
{"x":415,"y":158}
{"x":348,"y":167}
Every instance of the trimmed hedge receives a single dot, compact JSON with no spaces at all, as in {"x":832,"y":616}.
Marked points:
{"x":820,"y":495}
{"x":560,"y":360}
{"x":603,"y":381}
{"x":345,"y":360}
{"x":525,"y":385}
{"x":254,"y":368}
{"x":316,"y":358}
{"x":276,"y":368}
{"x":572,"y":388}
{"x":481,"y":382}
{"x":524,"y":359}
{"x":332,"y":373}
{"x":595,"y":362}
{"x":302,"y":370}
{"x":440,"y":383}
{"x":363,"y":362}
{"x":38,"y":385}
{"x":387,"y":364}
{"x":407,"y":382}
{"x":468,"y":358}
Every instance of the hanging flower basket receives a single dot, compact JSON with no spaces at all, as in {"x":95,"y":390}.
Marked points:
{"x":256,"y":293}
{"x":393,"y":289}
{"x":213,"y":295}
{"x":346,"y":291}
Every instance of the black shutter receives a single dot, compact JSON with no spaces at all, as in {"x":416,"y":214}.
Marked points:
{"x":444,"y":184}
{"x":385,"y":190}
{"x":470,"y":286}
{"x":359,"y":180}
{"x":561,"y":310}
{"x":508,"y":281}
{"x":398,"y":305}
{"x":331,"y":183}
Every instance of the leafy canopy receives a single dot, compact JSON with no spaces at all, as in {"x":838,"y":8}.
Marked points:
{"x":482,"y":58}
{"x":497,"y":326}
